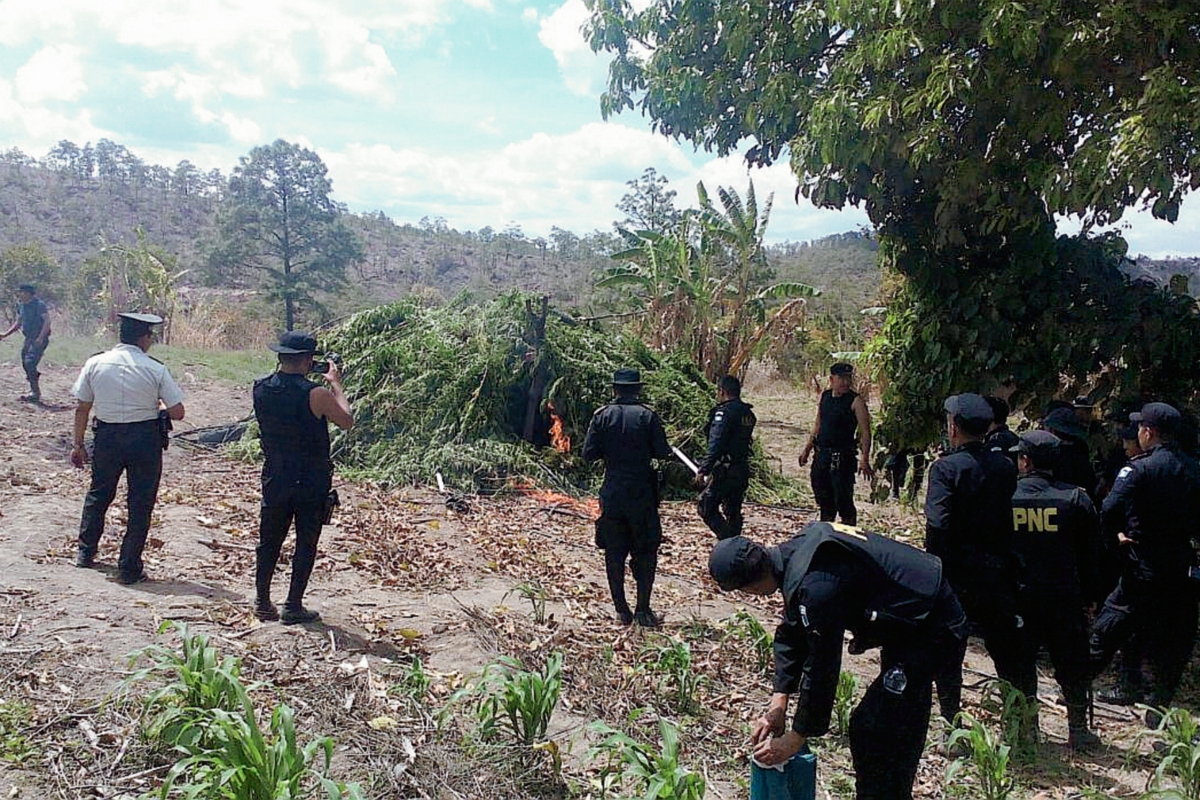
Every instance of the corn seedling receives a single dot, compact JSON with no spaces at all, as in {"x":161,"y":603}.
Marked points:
{"x":415,"y":682}
{"x":244,"y":762}
{"x":987,"y":756}
{"x":655,"y":773}
{"x":1181,"y":763}
{"x":1018,"y":717}
{"x":15,"y":747}
{"x":843,"y":701}
{"x":198,"y":681}
{"x":745,"y":627}
{"x":536,"y":594}
{"x":515,"y":704}
{"x":672,"y":659}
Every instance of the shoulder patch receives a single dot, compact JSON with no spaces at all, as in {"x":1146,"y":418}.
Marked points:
{"x":1125,"y":472}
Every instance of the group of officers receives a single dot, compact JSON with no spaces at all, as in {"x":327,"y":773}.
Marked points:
{"x":1016,"y":553}
{"x":129,"y":399}
{"x":1015,"y":550}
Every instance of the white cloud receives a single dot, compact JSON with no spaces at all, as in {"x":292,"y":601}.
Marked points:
{"x":52,"y":73}
{"x":561,"y":32}
{"x":530,"y":14}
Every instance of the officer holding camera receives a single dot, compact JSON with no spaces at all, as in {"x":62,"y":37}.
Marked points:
{"x":293,"y":416}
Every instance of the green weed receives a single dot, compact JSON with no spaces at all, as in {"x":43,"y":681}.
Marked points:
{"x":1018,"y":717}
{"x":987,"y":756}
{"x":655,"y":773}
{"x":536,"y":594}
{"x":415,"y":681}
{"x":745,"y":627}
{"x":843,"y":701}
{"x":15,"y":747}
{"x":1181,"y":763}
{"x":672,"y":659}
{"x":516,"y":704}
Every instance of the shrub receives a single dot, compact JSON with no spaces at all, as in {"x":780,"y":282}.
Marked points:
{"x":655,"y":773}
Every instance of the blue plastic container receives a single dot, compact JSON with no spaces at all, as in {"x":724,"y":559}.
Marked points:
{"x":797,"y":781}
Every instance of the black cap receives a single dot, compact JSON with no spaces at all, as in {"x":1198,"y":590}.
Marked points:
{"x":296,"y":343}
{"x":1129,"y":432}
{"x":29,"y":288}
{"x":1082,"y":401}
{"x":1158,"y":415}
{"x":841,"y":368}
{"x":1063,"y":422}
{"x":145,"y":319}
{"x":970,"y":408}
{"x":736,"y":562}
{"x":1037,"y":444}
{"x":627,"y":377}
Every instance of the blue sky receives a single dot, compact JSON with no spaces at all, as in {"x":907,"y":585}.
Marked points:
{"x":484,"y":112}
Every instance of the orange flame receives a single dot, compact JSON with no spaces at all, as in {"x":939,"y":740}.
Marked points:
{"x":558,"y":434}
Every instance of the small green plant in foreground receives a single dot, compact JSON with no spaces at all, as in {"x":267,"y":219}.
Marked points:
{"x":746,"y":627}
{"x":205,"y":714}
{"x":15,"y":747}
{"x":1181,"y":762}
{"x":673,"y":660}
{"x":843,"y":701}
{"x":515,"y":704}
{"x":1018,"y":717}
{"x":987,"y":756}
{"x":655,"y":773}
{"x":536,"y":594}
{"x":415,"y":681}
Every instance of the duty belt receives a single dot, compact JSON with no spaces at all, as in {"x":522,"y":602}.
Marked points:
{"x":97,"y":424}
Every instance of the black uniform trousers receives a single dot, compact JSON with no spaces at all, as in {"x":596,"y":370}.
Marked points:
{"x":633,"y":535}
{"x":833,"y":484}
{"x":725,"y":492}
{"x":887,"y":730}
{"x":1164,"y":614}
{"x":996,"y":620}
{"x":291,"y":492}
{"x":31,"y":357}
{"x":1058,"y":623}
{"x":135,"y":449}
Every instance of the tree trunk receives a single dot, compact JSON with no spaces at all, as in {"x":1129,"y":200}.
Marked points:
{"x":535,"y":336}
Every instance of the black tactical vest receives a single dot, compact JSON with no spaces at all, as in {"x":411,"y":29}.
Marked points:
{"x":289,"y":430}
{"x":838,"y":422}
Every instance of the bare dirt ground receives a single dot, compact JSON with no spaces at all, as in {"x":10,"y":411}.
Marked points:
{"x":399,"y":575}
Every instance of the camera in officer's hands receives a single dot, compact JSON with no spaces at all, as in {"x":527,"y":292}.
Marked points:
{"x":322,"y":367}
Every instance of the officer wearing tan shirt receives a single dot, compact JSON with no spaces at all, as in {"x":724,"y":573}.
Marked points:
{"x":124,"y":388}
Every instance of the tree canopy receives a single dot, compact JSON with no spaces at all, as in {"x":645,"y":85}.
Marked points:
{"x":279,"y":218}
{"x":963,"y":128}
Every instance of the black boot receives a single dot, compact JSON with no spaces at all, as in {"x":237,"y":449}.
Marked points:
{"x":1079,"y":736}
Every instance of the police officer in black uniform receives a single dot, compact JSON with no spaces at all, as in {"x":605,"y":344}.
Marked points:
{"x":1152,"y":509}
{"x":124,"y":390}
{"x":1074,"y":457}
{"x":999,"y":438}
{"x":293,"y":416}
{"x":725,"y":471}
{"x":1057,"y":535}
{"x":968,"y":524}
{"x":840,"y":413}
{"x":33,"y":320}
{"x":889,"y":595}
{"x":626,"y":435}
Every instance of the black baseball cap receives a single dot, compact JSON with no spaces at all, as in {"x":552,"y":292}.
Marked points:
{"x":736,"y":562}
{"x":296,"y":343}
{"x":1037,"y":444}
{"x":627,"y":377}
{"x":972,"y":409}
{"x":1063,"y":422}
{"x":841,"y":368}
{"x":1158,"y":415}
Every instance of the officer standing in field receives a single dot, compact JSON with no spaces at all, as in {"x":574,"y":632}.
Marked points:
{"x":725,"y":470}
{"x":1074,"y":458}
{"x":33,"y":319}
{"x":293,"y":416}
{"x":968,"y":525}
{"x":626,"y":435}
{"x":840,"y":413}
{"x":1152,"y":509}
{"x":125,"y":388}
{"x":1057,"y":534}
{"x":889,"y":595}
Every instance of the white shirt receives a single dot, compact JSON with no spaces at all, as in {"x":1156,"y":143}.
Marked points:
{"x":124,"y":385}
